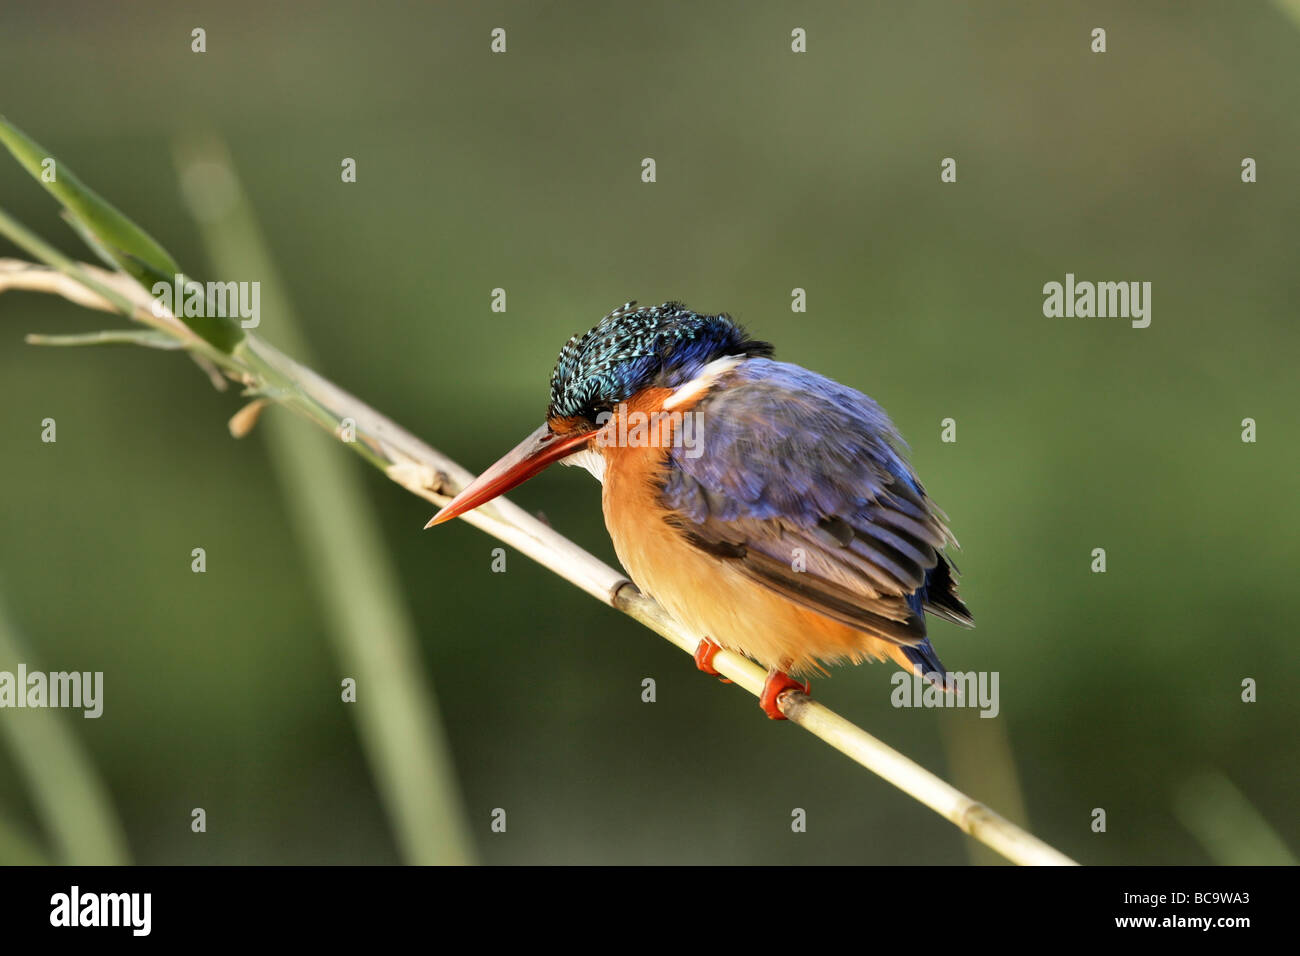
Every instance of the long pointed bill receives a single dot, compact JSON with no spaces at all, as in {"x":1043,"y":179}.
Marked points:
{"x":529,"y":457}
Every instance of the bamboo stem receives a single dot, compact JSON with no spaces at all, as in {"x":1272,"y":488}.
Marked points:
{"x":426,"y":472}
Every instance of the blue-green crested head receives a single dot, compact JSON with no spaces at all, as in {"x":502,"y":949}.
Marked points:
{"x":631,"y":349}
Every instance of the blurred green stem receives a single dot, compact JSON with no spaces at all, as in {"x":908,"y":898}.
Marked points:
{"x":17,"y":849}
{"x":1227,"y":825}
{"x":364,"y":611}
{"x":980,"y":760}
{"x":66,"y":790}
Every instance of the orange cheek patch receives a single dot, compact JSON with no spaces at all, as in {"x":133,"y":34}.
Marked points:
{"x":640,"y":423}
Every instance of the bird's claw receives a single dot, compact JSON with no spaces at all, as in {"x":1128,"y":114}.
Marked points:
{"x":777,"y":683}
{"x":705,"y":651}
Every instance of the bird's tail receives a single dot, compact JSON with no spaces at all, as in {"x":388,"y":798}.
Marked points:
{"x":925,"y":662}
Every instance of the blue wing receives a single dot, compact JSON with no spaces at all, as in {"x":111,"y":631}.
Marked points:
{"x":797,"y":480}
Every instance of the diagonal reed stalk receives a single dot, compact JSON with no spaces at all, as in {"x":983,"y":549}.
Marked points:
{"x":270,"y":376}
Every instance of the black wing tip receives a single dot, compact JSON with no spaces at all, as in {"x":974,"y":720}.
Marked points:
{"x":941,"y":598}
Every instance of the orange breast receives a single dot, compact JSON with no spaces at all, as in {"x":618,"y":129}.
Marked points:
{"x":705,"y":592}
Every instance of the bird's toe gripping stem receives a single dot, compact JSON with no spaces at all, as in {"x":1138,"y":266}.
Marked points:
{"x":705,"y":651}
{"x":777,"y":683}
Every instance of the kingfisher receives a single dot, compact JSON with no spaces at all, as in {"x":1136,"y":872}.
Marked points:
{"x":769,"y":509}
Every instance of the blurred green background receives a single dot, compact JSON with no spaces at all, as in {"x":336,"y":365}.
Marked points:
{"x":775,"y":170}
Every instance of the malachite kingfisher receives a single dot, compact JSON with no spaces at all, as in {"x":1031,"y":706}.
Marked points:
{"x":766,"y":507}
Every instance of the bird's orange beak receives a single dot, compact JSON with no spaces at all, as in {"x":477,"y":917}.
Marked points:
{"x":526,"y":459}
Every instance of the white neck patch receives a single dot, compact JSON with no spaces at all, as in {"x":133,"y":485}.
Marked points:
{"x":703,"y":382}
{"x":589,"y":458}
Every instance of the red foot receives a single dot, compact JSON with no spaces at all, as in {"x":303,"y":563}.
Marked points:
{"x":777,"y":683}
{"x":704,"y":654}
